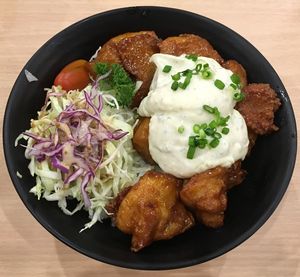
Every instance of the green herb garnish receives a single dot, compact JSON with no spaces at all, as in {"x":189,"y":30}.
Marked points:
{"x":167,"y":68}
{"x":235,"y":79}
{"x":180,"y":129}
{"x":192,"y":57}
{"x":225,"y":131}
{"x":219,"y":84}
{"x":238,"y":96}
{"x":118,"y":81}
{"x":208,"y":134}
{"x":191,"y":152}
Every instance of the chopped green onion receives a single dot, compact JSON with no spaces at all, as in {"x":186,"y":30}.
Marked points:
{"x":217,"y":135}
{"x":192,"y":141}
{"x":180,"y":129}
{"x":187,"y":79}
{"x":196,"y":140}
{"x":213,"y":124}
{"x":203,"y":126}
{"x":198,"y":67}
{"x":202,"y":143}
{"x":186,"y":83}
{"x":204,"y":131}
{"x":181,"y":85}
{"x":233,"y":86}
{"x":216,"y":112}
{"x":174,"y":85}
{"x":196,"y":128}
{"x":191,"y":152}
{"x":205,"y":66}
{"x":209,"y":131}
{"x":235,"y":79}
{"x":202,"y":134}
{"x":225,"y":131}
{"x":223,"y":120}
{"x":206,"y":74}
{"x":214,"y":143}
{"x":167,"y":68}
{"x":187,"y":72}
{"x":176,"y":77}
{"x":192,"y":57}
{"x":209,"y":109}
{"x":239,"y":96}
{"x":219,"y":84}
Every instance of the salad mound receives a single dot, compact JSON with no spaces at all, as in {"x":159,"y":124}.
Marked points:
{"x":80,"y":148}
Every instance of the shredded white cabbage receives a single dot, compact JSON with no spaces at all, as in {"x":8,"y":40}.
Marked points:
{"x":121,"y":166}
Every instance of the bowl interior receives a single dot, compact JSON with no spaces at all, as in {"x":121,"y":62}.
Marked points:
{"x":250,"y":204}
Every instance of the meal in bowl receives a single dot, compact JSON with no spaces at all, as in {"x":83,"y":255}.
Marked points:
{"x":150,"y":132}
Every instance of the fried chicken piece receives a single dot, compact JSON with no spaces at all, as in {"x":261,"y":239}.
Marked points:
{"x":252,"y":139}
{"x":206,"y":193}
{"x":235,"y":175}
{"x":258,"y":108}
{"x":109,"y":52}
{"x":238,"y":69}
{"x":189,"y":44}
{"x":113,"y":206}
{"x":135,"y":53}
{"x":152,"y":210}
{"x":140,"y":139}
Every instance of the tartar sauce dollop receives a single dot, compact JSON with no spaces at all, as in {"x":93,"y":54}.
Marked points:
{"x":169,"y":109}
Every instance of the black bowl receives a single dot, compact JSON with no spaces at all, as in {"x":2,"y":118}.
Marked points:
{"x":269,"y":167}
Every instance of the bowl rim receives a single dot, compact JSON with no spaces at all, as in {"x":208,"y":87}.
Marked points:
{"x":141,"y":265}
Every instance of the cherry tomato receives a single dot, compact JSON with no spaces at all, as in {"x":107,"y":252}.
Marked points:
{"x":73,"y":76}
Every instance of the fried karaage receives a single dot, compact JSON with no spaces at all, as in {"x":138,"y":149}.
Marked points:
{"x":189,"y":44}
{"x":259,"y":107}
{"x":152,"y":210}
{"x":133,"y":51}
{"x":206,"y":193}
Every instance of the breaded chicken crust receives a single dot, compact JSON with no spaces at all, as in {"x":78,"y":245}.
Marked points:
{"x":109,"y":52}
{"x":206,"y":193}
{"x":259,"y":107}
{"x":189,"y":44}
{"x":140,"y":139}
{"x":238,"y":69}
{"x":133,"y":51}
{"x":152,"y":210}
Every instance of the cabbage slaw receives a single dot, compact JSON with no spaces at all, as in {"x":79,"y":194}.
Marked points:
{"x":119,"y":167}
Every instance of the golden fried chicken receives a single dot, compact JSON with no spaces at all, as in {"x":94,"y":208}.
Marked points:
{"x":109,"y":52}
{"x":133,"y":51}
{"x":152,"y":210}
{"x":235,"y":175}
{"x":140,"y":139}
{"x":206,"y":193}
{"x":258,"y":108}
{"x":238,"y":69}
{"x":189,"y":44}
{"x":252,"y":139}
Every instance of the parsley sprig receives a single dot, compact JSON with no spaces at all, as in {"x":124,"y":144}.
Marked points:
{"x":118,"y":81}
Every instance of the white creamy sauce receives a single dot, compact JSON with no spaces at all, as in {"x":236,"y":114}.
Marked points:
{"x":171,"y":109}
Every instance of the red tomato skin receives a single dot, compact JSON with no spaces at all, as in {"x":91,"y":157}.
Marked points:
{"x":73,"y":76}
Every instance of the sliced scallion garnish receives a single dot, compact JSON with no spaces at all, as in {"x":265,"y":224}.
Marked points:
{"x":219,"y":84}
{"x":167,"y":68}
